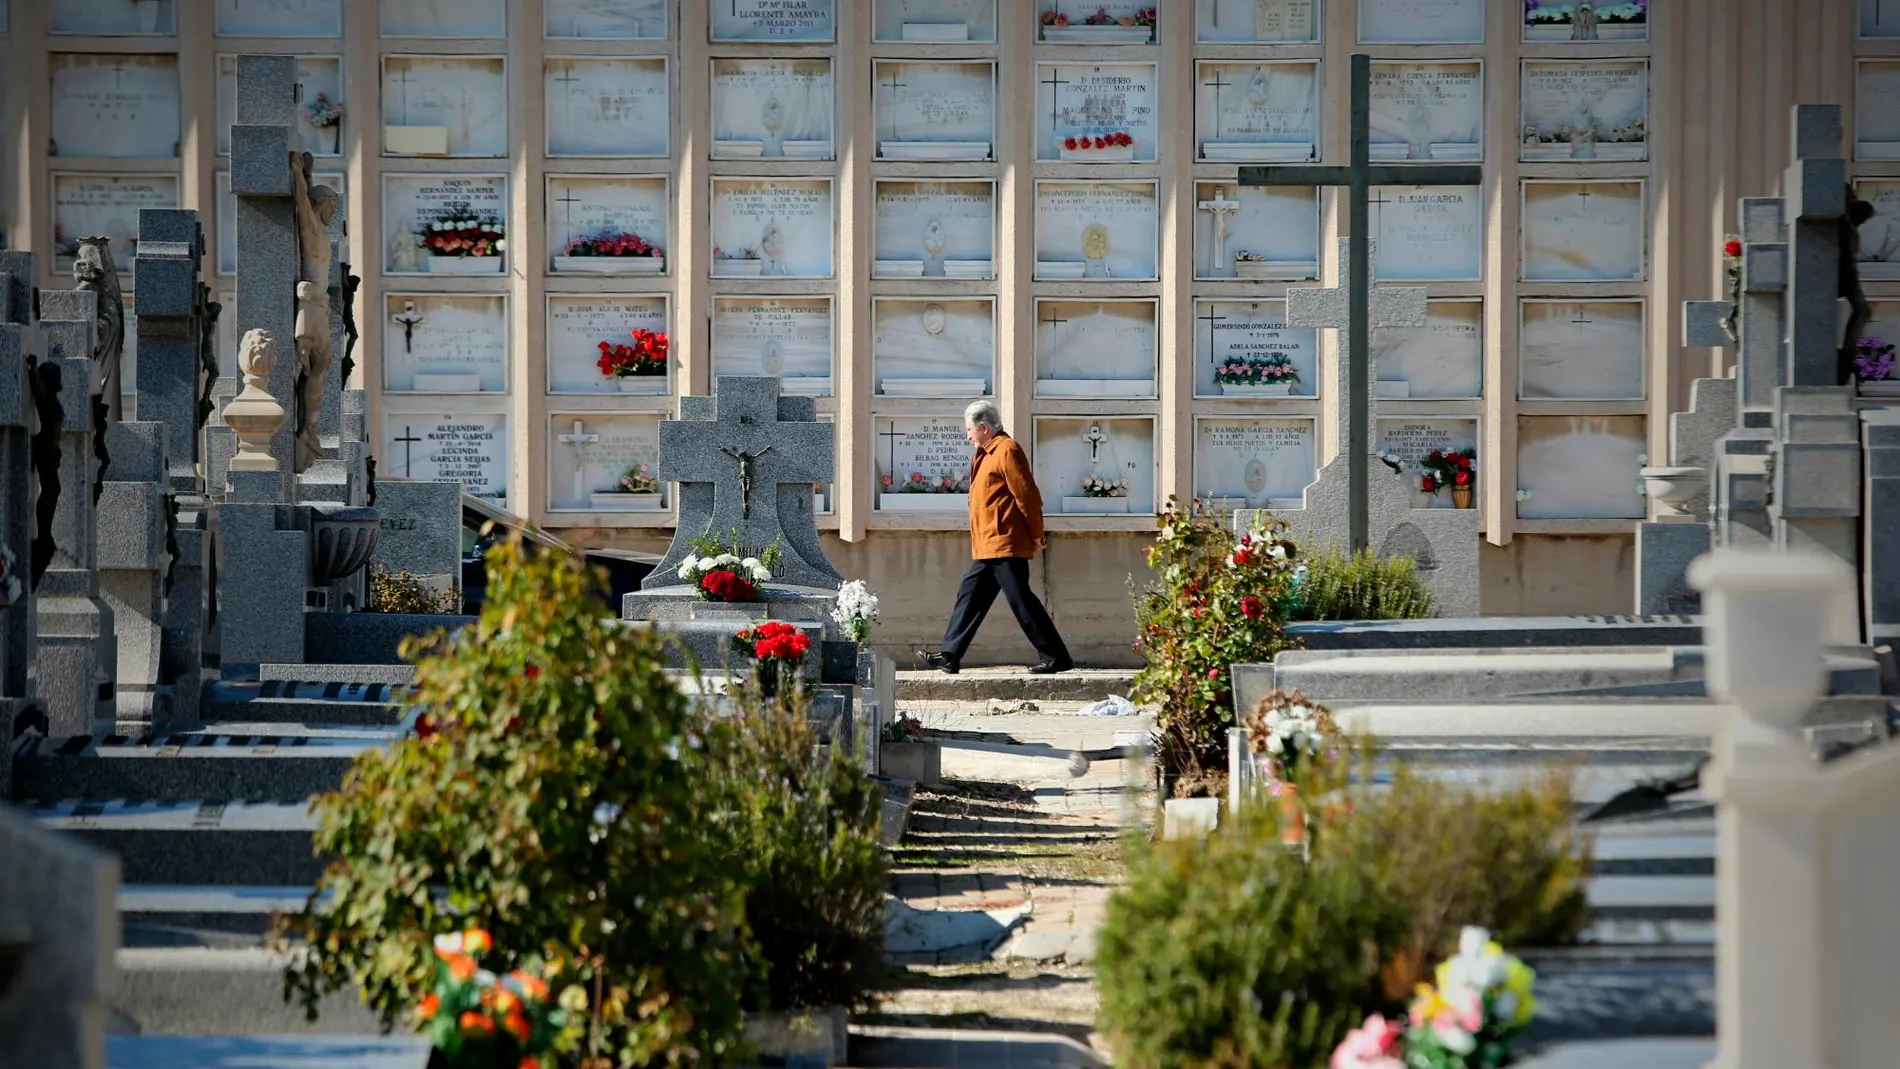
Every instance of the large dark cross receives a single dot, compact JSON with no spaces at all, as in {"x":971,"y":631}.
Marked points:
{"x":1217,"y":85}
{"x":401,"y":77}
{"x":567,"y":203}
{"x":567,"y":78}
{"x":408,"y":441}
{"x":770,"y":454}
{"x":1213,"y":343}
{"x":894,"y":87}
{"x":1054,"y":80}
{"x":1359,"y":177}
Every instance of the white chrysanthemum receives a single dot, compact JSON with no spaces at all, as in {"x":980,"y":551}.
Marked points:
{"x":501,"y":245}
{"x":1274,"y":743}
{"x":689,"y":566}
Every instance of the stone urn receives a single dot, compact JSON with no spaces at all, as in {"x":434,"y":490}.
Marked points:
{"x":341,"y":539}
{"x":1674,"y":486}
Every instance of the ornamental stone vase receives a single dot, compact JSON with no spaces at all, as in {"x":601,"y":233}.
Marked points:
{"x":342,"y":537}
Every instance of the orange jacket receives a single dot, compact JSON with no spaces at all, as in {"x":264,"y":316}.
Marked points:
{"x":1005,"y":506}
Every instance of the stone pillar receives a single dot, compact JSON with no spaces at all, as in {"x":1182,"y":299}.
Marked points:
{"x":20,"y":346}
{"x":264,"y":149}
{"x":1815,"y":191}
{"x":137,"y":539}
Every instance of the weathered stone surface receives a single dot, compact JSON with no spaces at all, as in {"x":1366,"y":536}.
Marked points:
{"x":263,"y":141}
{"x":59,"y":897}
{"x":21,"y":343}
{"x":1880,"y":571}
{"x":263,"y":572}
{"x":137,"y":539}
{"x":1663,"y":553}
{"x":421,"y":531}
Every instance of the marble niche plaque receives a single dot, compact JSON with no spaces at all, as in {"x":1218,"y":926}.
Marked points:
{"x":279,"y":18}
{"x":1096,"y":230}
{"x":774,"y":20}
{"x":1886,"y":321}
{"x":771,"y":109}
{"x":1421,"y":22}
{"x":1580,"y":467}
{"x":89,"y":205}
{"x":935,"y":111}
{"x":587,"y":212}
{"x":1427,"y":111}
{"x":1429,"y":233}
{"x":227,"y":213}
{"x":1583,"y":231}
{"x":1877,"y":111}
{"x":112,"y":18}
{"x":445,"y":18}
{"x":1257,"y":112}
{"x":1581,"y":351}
{"x":1282,"y":22}
{"x":1069,"y":452}
{"x":1411,"y":438}
{"x":442,"y":343}
{"x":922,"y":464}
{"x":787,"y":338}
{"x":1105,"y":103}
{"x":1095,"y":22}
{"x":1440,"y":361}
{"x":590,"y":453}
{"x":445,"y":106}
{"x":1580,"y":20}
{"x":934,"y":348}
{"x":1584,"y":110}
{"x":119,"y":106}
{"x":414,"y":202}
{"x":1245,"y":349}
{"x":469,"y":448}
{"x":1880,"y":236}
{"x":607,"y":106}
{"x":605,"y":20}
{"x":935,"y":230}
{"x":1254,"y":463}
{"x":576,"y":325}
{"x":315,"y":75}
{"x":1264,"y":232}
{"x":772,"y":228}
{"x":1087,"y":349}
{"x":933,"y":21}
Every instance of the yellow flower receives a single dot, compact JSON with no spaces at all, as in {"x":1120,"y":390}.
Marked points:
{"x":477,"y":941}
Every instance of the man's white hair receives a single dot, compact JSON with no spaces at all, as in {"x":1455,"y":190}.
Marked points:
{"x":986,"y":413}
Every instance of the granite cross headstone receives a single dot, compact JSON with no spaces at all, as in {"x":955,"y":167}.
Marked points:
{"x":1332,"y":308}
{"x":264,"y":153}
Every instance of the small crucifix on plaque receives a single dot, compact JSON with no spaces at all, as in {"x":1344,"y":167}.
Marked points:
{"x":745,"y":460}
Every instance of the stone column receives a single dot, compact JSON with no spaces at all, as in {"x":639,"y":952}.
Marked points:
{"x":138,"y":536}
{"x":20,"y":345}
{"x":264,"y":147}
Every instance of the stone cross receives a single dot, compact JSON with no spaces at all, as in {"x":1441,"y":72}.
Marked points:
{"x":786,"y":449}
{"x":580,"y":440}
{"x":1359,"y":176}
{"x":1220,"y":208}
{"x":20,"y":346}
{"x":264,"y":155}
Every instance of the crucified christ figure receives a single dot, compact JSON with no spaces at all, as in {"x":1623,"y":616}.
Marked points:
{"x":745,"y":476}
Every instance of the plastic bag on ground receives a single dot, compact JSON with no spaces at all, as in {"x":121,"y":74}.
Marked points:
{"x":1113,"y":705}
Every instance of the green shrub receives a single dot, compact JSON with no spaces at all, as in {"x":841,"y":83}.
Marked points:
{"x":404,"y":592}
{"x":1364,"y":586}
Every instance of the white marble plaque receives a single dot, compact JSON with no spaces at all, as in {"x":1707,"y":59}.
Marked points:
{"x":1429,"y":233}
{"x":1581,"y":351}
{"x":783,"y":225}
{"x":471,"y":448}
{"x":926,"y":454}
{"x":1584,"y":110}
{"x":116,"y":106}
{"x":1068,"y":451}
{"x":1427,"y":111}
{"x":1880,"y":236}
{"x":445,"y":18}
{"x":772,"y":108}
{"x":412,"y":203}
{"x":1877,"y":111}
{"x":605,"y":20}
{"x":1568,"y":20}
{"x":1107,"y":103}
{"x":1442,"y":360}
{"x":280,"y":18}
{"x":1885,"y":324}
{"x":227,"y":213}
{"x":1245,"y":349}
{"x":460,"y":101}
{"x":1286,"y":22}
{"x":1098,"y":22}
{"x":933,"y":21}
{"x":1583,"y":231}
{"x":1580,"y":467}
{"x":773,"y":20}
{"x":1254,"y":463}
{"x":608,"y":106}
{"x":788,"y":338}
{"x":1096,"y":230}
{"x":1265,"y":232}
{"x":1257,"y":112}
{"x":99,"y":205}
{"x":935,"y":111}
{"x":1412,"y":438}
{"x":1421,"y":22}
{"x":935,"y":230}
{"x":1095,"y":349}
{"x":111,"y":18}
{"x":934,"y":348}
{"x":589,"y":453}
{"x":437,"y":343}
{"x":597,"y":225}
{"x":315,"y":75}
{"x":576,"y":325}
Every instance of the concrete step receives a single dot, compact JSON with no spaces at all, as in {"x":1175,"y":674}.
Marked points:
{"x":216,"y":844}
{"x":1487,"y":632}
{"x":266,"y":1052}
{"x":301,"y":710}
{"x":239,"y":909}
{"x":983,"y":684}
{"x":259,"y":768}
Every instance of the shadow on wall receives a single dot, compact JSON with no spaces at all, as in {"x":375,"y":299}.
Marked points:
{"x":1559,"y":575}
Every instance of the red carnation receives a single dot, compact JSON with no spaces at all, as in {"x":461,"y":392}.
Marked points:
{"x":1252,"y":608}
{"x":1428,"y":484}
{"x":1463,"y":478}
{"x":1123,"y":138}
{"x":1101,"y":142}
{"x":1069,"y":143}
{"x":1731,"y":247}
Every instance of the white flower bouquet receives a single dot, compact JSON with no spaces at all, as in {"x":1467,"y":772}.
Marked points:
{"x":855,"y":610}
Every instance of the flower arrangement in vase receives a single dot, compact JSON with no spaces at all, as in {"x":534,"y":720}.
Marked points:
{"x":855,"y":610}
{"x":610,"y":252}
{"x":636,"y":368}
{"x":327,"y":114}
{"x":725,"y":573}
{"x":1273,"y":374}
{"x":1874,"y":366}
{"x":1481,"y":1000}
{"x":474,"y":1018}
{"x":918,"y":492}
{"x":1284,"y":732}
{"x":1094,"y":485}
{"x":744,"y":263}
{"x":636,"y":488}
{"x":1450,"y":469}
{"x":1100,"y":27}
{"x":463,"y":241}
{"x":777,"y":649}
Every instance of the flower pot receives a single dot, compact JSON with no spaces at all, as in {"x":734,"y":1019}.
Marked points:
{"x":919,"y":762}
{"x":737,"y":268}
{"x":1110,"y":154}
{"x":1292,"y":815}
{"x":901,"y":502}
{"x":1259,"y":389}
{"x":641,"y":384}
{"x":461,"y":265}
{"x":1098,"y":35}
{"x":1060,"y":270}
{"x":610,"y":265}
{"x":967,"y":269}
{"x":1461,"y":497}
{"x":897,"y":268}
{"x":933,"y":150}
{"x":616,"y":501}
{"x":1256,"y":151}
{"x":1095,"y":506}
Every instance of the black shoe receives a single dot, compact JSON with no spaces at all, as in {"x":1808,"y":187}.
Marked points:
{"x":1049,"y":668}
{"x":942,"y":662}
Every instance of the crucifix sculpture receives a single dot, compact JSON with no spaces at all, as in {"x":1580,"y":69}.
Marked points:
{"x":1359,"y":176}
{"x":745,"y":460}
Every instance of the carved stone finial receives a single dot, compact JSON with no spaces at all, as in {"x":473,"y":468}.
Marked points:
{"x":254,"y":414}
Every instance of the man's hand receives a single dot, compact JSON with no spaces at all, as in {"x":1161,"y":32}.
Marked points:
{"x":1043,"y":543}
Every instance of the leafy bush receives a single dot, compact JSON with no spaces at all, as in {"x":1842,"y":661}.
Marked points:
{"x":1364,"y":586}
{"x":404,"y":592}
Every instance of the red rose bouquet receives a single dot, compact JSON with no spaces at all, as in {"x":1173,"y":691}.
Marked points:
{"x":646,"y":356}
{"x":1453,"y":468}
{"x":777,"y":649}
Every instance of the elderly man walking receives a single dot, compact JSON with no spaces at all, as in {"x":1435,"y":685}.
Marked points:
{"x":1005,"y":531}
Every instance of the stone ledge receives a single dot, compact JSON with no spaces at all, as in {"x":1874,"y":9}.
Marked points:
{"x":981,"y":684}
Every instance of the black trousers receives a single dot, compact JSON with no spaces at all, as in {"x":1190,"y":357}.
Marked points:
{"x":978,"y":592}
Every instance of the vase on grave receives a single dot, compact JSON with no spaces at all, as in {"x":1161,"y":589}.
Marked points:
{"x":1292,"y":813}
{"x":1461,"y":497}
{"x":341,"y":541}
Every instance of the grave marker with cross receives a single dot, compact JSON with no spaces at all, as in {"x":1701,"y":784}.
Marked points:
{"x":567,"y":78}
{"x":894,"y":87}
{"x":580,"y":438}
{"x":1054,"y":82}
{"x":1219,"y":83}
